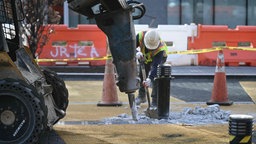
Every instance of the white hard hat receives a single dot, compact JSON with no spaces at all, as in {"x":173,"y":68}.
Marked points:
{"x":151,"y":39}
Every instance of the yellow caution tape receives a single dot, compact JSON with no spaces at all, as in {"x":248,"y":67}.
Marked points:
{"x":196,"y":51}
{"x":171,"y":52}
{"x":242,"y":48}
{"x":211,"y":50}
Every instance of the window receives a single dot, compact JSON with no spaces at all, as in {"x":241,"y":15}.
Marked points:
{"x":212,"y":12}
{"x":75,"y":19}
{"x":173,"y":12}
{"x":230,"y":12}
{"x":251,"y":12}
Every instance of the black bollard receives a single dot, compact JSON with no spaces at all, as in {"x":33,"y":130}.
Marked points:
{"x":240,"y":129}
{"x":163,"y":90}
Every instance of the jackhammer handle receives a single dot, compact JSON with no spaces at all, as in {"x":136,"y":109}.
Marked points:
{"x":143,"y":70}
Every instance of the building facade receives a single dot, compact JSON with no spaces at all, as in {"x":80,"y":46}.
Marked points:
{"x":179,"y":12}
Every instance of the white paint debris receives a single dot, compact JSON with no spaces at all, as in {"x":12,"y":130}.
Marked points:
{"x":189,"y":116}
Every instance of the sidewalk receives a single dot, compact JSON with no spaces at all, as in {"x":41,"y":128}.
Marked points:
{"x":84,"y":96}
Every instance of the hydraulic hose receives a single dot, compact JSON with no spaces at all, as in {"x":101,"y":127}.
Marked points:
{"x":137,"y":6}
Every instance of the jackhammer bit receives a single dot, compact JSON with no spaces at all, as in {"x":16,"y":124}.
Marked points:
{"x":133,"y":107}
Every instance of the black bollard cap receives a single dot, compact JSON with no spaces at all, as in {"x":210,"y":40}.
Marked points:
{"x":164,"y":70}
{"x":241,"y":117}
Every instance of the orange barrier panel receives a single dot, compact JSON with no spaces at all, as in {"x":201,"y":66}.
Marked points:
{"x":67,"y":46}
{"x":220,"y":35}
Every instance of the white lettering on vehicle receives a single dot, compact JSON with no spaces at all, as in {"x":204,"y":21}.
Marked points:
{"x":18,"y":129}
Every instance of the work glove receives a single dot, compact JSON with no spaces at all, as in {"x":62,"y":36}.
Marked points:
{"x":139,"y":55}
{"x":147,"y":82}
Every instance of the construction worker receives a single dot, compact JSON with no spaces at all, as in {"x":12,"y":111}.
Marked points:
{"x":153,"y":52}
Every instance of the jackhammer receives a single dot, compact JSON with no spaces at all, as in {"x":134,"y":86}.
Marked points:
{"x":115,"y":19}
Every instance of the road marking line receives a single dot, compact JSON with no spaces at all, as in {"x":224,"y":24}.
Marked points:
{"x":250,"y":89}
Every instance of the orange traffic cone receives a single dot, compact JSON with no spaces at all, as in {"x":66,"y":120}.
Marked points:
{"x":219,"y":91}
{"x":109,"y":94}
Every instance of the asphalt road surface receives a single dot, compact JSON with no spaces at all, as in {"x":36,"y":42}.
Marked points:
{"x":199,"y":89}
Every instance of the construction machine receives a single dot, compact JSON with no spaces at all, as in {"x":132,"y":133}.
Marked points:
{"x":32,"y":98}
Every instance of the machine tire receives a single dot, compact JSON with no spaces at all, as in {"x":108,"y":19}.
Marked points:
{"x":22,"y":118}
{"x":60,"y":92}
